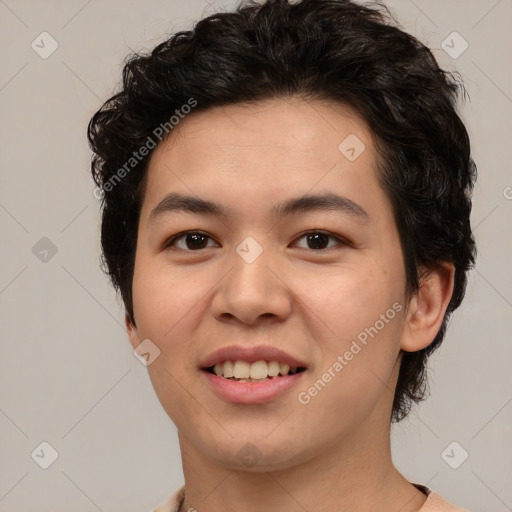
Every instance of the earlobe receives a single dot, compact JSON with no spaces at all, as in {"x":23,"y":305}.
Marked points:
{"x":428,"y":306}
{"x":132,"y":331}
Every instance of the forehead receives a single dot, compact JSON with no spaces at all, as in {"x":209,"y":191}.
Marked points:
{"x":264,"y":151}
{"x":280,"y":123}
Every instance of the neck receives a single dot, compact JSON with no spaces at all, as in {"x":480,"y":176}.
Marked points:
{"x":357,"y":475}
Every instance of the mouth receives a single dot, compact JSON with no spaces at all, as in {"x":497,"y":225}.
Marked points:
{"x":251,"y":375}
{"x":258,"y":371}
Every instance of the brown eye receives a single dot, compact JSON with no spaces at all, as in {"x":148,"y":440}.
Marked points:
{"x":318,"y":240}
{"x":190,"y":241}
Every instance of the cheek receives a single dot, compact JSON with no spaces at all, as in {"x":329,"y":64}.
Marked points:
{"x":355,"y":371}
{"x":362,"y":313}
{"x":164,"y":297}
{"x":347,"y":300}
{"x":167,"y":307}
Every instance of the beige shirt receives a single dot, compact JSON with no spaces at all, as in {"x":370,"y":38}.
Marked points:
{"x":433,"y":503}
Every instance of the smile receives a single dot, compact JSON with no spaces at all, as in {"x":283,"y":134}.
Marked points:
{"x":259,"y":371}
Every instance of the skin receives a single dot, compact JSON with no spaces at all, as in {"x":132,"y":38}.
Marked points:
{"x":334,"y":452}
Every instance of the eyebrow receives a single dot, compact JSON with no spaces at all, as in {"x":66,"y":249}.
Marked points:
{"x":307,"y":203}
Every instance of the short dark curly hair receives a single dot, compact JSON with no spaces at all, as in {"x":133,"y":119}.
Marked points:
{"x":334,"y":50}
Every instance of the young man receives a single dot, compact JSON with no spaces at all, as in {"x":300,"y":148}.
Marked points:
{"x":286,"y":214}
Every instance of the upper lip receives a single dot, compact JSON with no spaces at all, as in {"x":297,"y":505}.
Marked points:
{"x":251,"y":354}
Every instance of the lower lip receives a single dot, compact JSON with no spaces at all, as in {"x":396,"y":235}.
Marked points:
{"x":251,"y":392}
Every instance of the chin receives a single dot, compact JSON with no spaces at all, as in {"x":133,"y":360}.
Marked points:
{"x":256,"y":454}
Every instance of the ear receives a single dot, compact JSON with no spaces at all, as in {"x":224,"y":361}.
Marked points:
{"x":427,"y":307}
{"x":132,"y":330}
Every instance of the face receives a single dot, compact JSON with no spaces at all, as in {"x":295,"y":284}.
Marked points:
{"x":262,"y":275}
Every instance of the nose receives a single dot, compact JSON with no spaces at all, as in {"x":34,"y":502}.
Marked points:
{"x":253,"y":292}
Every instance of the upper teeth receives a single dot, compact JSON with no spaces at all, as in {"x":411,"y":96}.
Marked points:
{"x":257,"y":370}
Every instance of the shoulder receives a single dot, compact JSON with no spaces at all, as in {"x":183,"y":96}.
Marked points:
{"x":436,"y":503}
{"x":172,"y":504}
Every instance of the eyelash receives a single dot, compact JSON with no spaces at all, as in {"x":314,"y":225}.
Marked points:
{"x":342,"y":242}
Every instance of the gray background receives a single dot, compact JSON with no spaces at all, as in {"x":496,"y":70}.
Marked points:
{"x":67,"y":372}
